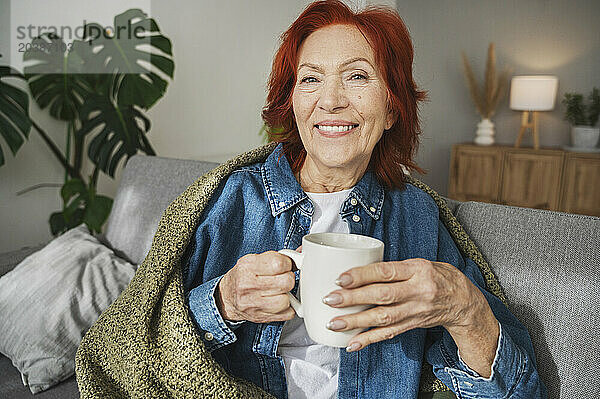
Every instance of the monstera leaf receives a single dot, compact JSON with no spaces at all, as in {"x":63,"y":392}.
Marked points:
{"x":82,"y":204}
{"x":120,"y":53}
{"x":122,"y":130}
{"x":57,"y":79}
{"x":14,"y":113}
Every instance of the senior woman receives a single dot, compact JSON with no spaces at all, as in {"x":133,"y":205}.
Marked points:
{"x":342,"y":93}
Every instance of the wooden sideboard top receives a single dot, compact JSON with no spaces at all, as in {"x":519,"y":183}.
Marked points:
{"x":541,"y":150}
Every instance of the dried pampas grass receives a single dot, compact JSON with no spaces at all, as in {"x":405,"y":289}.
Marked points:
{"x":494,"y":87}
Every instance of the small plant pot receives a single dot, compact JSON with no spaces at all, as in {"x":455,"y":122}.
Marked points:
{"x":584,"y":136}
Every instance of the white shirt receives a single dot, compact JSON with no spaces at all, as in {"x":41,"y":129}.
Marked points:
{"x":311,"y":369}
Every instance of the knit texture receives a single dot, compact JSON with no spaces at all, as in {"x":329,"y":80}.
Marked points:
{"x":145,"y":344}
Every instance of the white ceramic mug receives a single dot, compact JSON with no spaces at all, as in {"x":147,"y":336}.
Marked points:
{"x":323,"y":258}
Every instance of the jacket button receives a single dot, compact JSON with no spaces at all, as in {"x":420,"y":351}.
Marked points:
{"x":356,"y":218}
{"x":208,"y":336}
{"x":372,"y":209}
{"x":353,"y":201}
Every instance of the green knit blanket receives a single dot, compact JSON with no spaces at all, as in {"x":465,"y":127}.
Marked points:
{"x":145,"y":344}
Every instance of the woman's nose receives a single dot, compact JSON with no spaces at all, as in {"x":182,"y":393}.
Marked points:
{"x":333,"y":95}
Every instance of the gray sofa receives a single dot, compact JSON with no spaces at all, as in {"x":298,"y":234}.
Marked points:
{"x":547,"y":262}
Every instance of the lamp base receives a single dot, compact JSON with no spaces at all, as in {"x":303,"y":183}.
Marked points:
{"x":526,"y":124}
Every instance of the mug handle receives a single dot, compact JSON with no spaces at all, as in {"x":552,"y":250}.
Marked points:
{"x":298,"y":258}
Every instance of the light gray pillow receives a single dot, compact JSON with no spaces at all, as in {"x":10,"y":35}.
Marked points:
{"x":51,"y":299}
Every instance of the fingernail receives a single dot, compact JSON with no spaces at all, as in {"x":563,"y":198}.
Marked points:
{"x":352,"y":347}
{"x":332,"y":299}
{"x":336,"y":324}
{"x":344,"y":280}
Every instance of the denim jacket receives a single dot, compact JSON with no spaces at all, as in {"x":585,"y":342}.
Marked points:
{"x":262,"y":207}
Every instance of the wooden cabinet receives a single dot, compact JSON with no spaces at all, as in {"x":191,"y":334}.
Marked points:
{"x":581,"y":189}
{"x":477,"y":172}
{"x":547,"y":178}
{"x":531,"y":180}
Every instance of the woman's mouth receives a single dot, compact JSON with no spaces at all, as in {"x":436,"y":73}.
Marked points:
{"x":335,"y":131}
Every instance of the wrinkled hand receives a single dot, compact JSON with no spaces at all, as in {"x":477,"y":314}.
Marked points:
{"x":413,"y":293}
{"x":256,"y":288}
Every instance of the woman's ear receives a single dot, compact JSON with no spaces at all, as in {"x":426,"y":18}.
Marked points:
{"x":391,"y":118}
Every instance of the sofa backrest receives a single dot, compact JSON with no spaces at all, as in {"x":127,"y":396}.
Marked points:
{"x":547,"y":262}
{"x":148,"y":185}
{"x":549,"y":266}
{"x":452,"y":204}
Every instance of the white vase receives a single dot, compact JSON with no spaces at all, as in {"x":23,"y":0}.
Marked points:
{"x":485,"y":132}
{"x":584,"y":136}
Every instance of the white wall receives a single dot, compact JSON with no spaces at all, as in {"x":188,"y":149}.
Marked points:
{"x":223,"y":52}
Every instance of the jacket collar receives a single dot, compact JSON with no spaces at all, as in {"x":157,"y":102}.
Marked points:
{"x":284,"y":191}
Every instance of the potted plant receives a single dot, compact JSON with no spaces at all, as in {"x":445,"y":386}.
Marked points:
{"x":486,"y":100}
{"x":583,"y":118}
{"x":107,"y":105}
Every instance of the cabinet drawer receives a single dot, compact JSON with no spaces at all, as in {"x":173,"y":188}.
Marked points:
{"x":581,"y":191}
{"x":532,"y":180}
{"x":475,"y":174}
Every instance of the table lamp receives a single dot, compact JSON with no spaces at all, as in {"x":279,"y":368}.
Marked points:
{"x":532,"y":93}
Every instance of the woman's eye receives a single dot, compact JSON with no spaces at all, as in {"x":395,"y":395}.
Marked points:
{"x":358,"y":74}
{"x":307,"y":79}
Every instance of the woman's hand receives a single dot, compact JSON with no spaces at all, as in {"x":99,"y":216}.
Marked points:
{"x":255,"y":289}
{"x":417,"y":293}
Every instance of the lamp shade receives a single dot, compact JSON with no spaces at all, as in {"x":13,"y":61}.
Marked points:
{"x":533,"y":93}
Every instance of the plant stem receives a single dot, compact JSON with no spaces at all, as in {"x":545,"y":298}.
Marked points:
{"x":36,"y":186}
{"x":55,"y":150}
{"x":68,"y":151}
{"x":149,"y":149}
{"x":94,"y":177}
{"x":78,"y":148}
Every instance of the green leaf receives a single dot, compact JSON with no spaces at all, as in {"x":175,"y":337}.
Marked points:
{"x":594,"y":107}
{"x":575,"y":112}
{"x":15,"y":124}
{"x":121,"y":55}
{"x":162,"y":43}
{"x":97,"y":211}
{"x":56,"y":80}
{"x":85,"y":206}
{"x":135,"y":89}
{"x":75,"y":219}
{"x":77,"y":203}
{"x":57,"y":223}
{"x":120,"y":132}
{"x":71,"y":188}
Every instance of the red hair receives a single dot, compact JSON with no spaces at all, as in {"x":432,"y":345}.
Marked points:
{"x":385,"y":31}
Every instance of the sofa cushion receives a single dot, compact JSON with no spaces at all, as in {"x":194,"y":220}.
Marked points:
{"x":51,"y":299}
{"x":549,"y":266}
{"x":11,"y":386}
{"x":8,"y":260}
{"x":148,"y":185}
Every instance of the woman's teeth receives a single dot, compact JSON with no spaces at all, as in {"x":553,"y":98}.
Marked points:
{"x":335,"y":128}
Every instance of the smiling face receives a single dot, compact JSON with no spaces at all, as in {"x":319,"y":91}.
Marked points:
{"x":338,"y":83}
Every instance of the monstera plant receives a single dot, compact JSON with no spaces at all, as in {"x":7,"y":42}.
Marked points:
{"x":15,"y":124}
{"x":101,"y":86}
